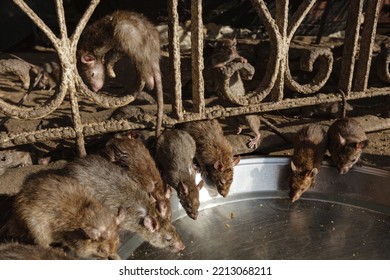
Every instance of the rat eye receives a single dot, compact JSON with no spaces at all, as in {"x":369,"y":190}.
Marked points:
{"x":103,"y":251}
{"x":3,"y":158}
{"x":93,"y":74}
{"x":168,"y":238}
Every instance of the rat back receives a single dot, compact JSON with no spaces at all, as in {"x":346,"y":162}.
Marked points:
{"x":57,"y":209}
{"x":310,"y":144}
{"x":114,"y":188}
{"x":132,"y":155}
{"x":175,"y":152}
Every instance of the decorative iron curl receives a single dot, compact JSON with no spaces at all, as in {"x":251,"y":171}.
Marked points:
{"x":308,"y":56}
{"x":383,"y":62}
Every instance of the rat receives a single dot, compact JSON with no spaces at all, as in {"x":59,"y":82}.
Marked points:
{"x":214,"y":154}
{"x":224,"y":51}
{"x":310,"y":144}
{"x":253,"y":122}
{"x":12,"y":158}
{"x":111,"y":184}
{"x":19,"y":251}
{"x":347,"y":140}
{"x":58,"y":209}
{"x":175,"y":152}
{"x":122,"y":33}
{"x":130,"y":153}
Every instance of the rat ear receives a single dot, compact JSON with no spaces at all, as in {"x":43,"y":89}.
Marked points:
{"x":183,"y":188}
{"x":293,"y":166}
{"x":342,"y":140}
{"x":168,"y":192}
{"x":313,"y":172}
{"x":92,"y":233}
{"x":121,"y":215}
{"x":361,"y":145}
{"x":87,"y":59}
{"x":162,"y":208}
{"x":200,"y":185}
{"x":218,"y":165}
{"x":151,"y":223}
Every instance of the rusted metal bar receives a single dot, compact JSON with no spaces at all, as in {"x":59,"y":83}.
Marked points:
{"x":197,"y":57}
{"x":281,"y":19}
{"x":350,"y":45}
{"x":174,"y":58}
{"x":366,"y":45}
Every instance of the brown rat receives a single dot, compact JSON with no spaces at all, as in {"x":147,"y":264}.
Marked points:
{"x":18,"y":251}
{"x":175,"y":152}
{"x":58,"y":209}
{"x":131,"y":154}
{"x":214,"y":154}
{"x":122,"y":33}
{"x":12,"y":158}
{"x":347,"y":140}
{"x":310,"y":144}
{"x":253,"y":122}
{"x":111,"y":185}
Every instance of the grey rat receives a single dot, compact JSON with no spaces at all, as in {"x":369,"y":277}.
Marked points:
{"x":347,"y":140}
{"x":224,"y":52}
{"x":214,"y":154}
{"x":111,"y":184}
{"x":58,"y":209}
{"x":122,"y":33}
{"x":12,"y":158}
{"x":130,"y":153}
{"x":310,"y":144}
{"x":175,"y":152}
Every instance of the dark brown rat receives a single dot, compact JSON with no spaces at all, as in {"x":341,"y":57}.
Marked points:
{"x":111,"y":185}
{"x":18,"y":251}
{"x":310,"y":144}
{"x":122,"y":33}
{"x":214,"y":154}
{"x":131,"y":154}
{"x":347,"y":140}
{"x":175,"y":152}
{"x":58,"y":209}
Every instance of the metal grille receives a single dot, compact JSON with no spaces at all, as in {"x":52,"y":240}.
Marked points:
{"x":268,"y":95}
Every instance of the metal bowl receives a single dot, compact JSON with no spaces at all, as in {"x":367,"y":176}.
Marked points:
{"x":343,"y":217}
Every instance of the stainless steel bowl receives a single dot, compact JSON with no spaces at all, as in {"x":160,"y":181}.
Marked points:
{"x":343,"y":217}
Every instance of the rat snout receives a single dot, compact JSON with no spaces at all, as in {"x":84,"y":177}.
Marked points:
{"x":178,"y":246}
{"x":343,"y":170}
{"x":96,"y":86}
{"x":224,"y":193}
{"x":193,"y":216}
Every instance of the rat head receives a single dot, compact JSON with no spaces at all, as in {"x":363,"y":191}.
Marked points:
{"x":347,"y":154}
{"x":220,"y":175}
{"x":98,"y":239}
{"x":301,"y":181}
{"x":92,"y":70}
{"x":13,"y":158}
{"x":188,"y":194}
{"x":160,"y":233}
{"x":224,"y":52}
